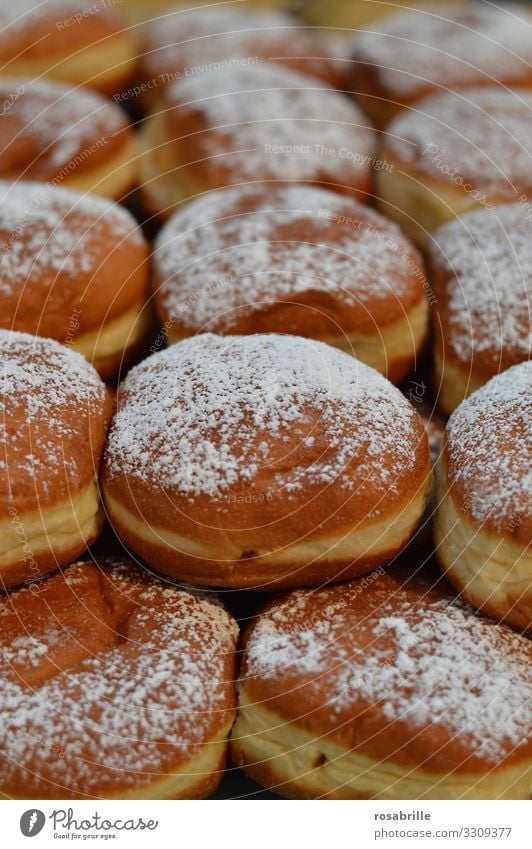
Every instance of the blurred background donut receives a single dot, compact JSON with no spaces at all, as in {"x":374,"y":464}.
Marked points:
{"x":257,"y":123}
{"x":76,"y":138}
{"x":67,"y":40}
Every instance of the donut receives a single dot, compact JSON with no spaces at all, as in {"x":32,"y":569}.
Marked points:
{"x":55,"y":415}
{"x":384,"y":688}
{"x":481,"y":275}
{"x":186,"y":42}
{"x":445,"y":47}
{"x":66,"y":40}
{"x":293,"y":259}
{"x":483,"y":526}
{"x":74,"y":268}
{"x":115,"y":685}
{"x":455,"y":152}
{"x":75,"y":138}
{"x":253,"y":123}
{"x":263,"y":461}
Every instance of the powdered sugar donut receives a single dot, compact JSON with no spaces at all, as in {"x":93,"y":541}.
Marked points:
{"x":66,"y":40}
{"x":74,"y":138}
{"x":481,"y":273}
{"x":443,"y":47}
{"x":296,"y":260}
{"x":453,"y":153}
{"x":74,"y":268}
{"x":384,"y":688}
{"x":263,"y":461}
{"x":186,"y":42}
{"x":114,"y":685}
{"x":55,"y":413}
{"x":256,"y":123}
{"x":483,"y":529}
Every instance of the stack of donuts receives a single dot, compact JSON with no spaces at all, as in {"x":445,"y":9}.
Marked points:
{"x":266,"y":402}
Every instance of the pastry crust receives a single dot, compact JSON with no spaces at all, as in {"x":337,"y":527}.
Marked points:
{"x":483,"y":528}
{"x":295,"y":260}
{"x":188,"y":42}
{"x":75,"y":269}
{"x":452,"y":153}
{"x":136,"y":704}
{"x":75,"y":138}
{"x":68,"y":41}
{"x":442,"y":47}
{"x":263,"y":461}
{"x":55,"y":419}
{"x":253,"y":124}
{"x":479,"y":267}
{"x":384,"y":688}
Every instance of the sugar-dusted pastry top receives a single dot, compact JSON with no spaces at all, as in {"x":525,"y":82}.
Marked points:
{"x":476,"y":140}
{"x":396,"y":669}
{"x":481,"y":266}
{"x":69,"y":262}
{"x":55,"y":412}
{"x":111,"y":679}
{"x":264,"y":122}
{"x":449,"y":46}
{"x":275,"y":413}
{"x":49,"y":130}
{"x":187,"y":42}
{"x":234,"y":253}
{"x":489,"y":454}
{"x":37,"y":30}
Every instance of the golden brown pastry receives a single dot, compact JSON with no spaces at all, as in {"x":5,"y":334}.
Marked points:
{"x":263,"y":461}
{"x":72,"y":41}
{"x":384,"y":688}
{"x":185,"y":42}
{"x":481,"y":274}
{"x":257,"y":123}
{"x":75,"y":138}
{"x":483,"y":527}
{"x":76,"y":271}
{"x":55,"y":414}
{"x":438,"y":48}
{"x":298,"y":260}
{"x":453,"y":153}
{"x":115,"y":685}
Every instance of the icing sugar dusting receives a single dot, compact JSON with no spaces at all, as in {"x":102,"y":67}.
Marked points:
{"x":479,"y":135}
{"x":39,"y":381}
{"x":424,"y":662}
{"x":126,"y":712}
{"x":212,"y":259}
{"x":285,"y":125}
{"x":490,"y":447}
{"x":449,"y":47}
{"x":487,"y":256}
{"x":193,"y":38}
{"x":213,"y":411}
{"x":64,"y":122}
{"x":36,"y":238}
